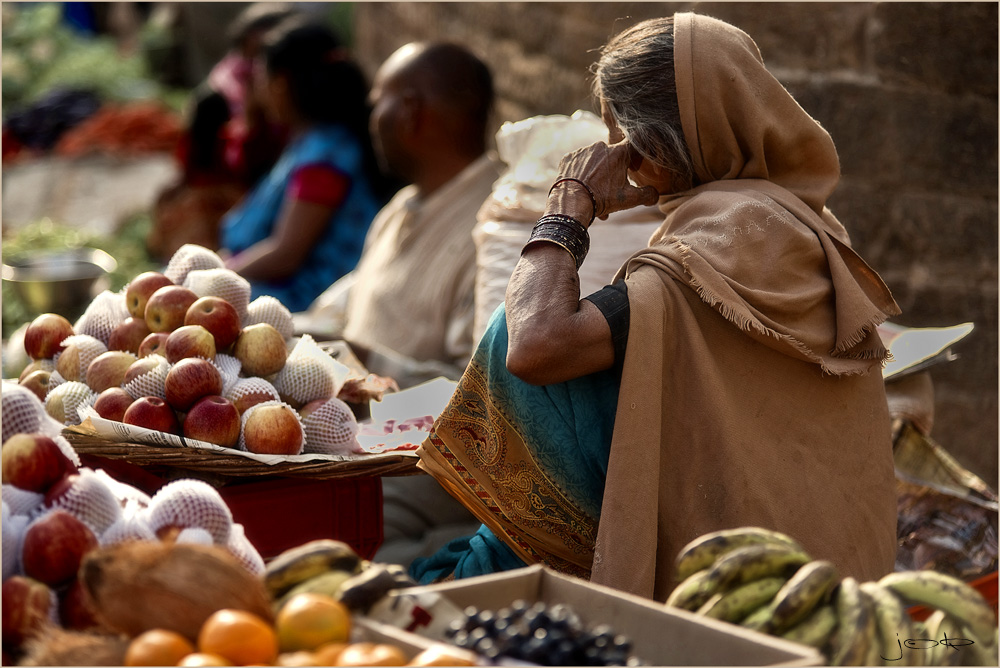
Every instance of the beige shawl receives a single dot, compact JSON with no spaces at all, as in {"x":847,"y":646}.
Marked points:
{"x":757,"y":322}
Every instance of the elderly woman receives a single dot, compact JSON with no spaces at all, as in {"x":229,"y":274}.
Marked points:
{"x":730,"y":376}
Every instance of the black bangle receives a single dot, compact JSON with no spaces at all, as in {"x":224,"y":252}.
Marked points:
{"x":593,"y":200}
{"x":563,"y":231}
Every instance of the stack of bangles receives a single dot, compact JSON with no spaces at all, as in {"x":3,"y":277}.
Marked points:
{"x":563,"y":230}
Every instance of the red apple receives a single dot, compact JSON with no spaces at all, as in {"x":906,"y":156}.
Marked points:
{"x":45,"y":364}
{"x":54,"y":546}
{"x":251,"y":396}
{"x":189,"y":380}
{"x":167,"y":307}
{"x":33,"y":461}
{"x":152,"y":413}
{"x":140,"y":367}
{"x":273,"y":429}
{"x":76,"y":610}
{"x":154,"y":343}
{"x":129,"y":335}
{"x":189,"y":341}
{"x":213,"y":419}
{"x":27,"y":604}
{"x":44,"y":335}
{"x":112,"y":403}
{"x":139,"y":290}
{"x":37,"y":382}
{"x":217,"y":316}
{"x":108,"y":369}
{"x":261,"y":350}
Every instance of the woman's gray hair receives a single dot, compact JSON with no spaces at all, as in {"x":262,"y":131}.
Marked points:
{"x":635,"y":78}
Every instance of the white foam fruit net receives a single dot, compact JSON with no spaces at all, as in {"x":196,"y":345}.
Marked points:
{"x":104,"y":313}
{"x":270,"y":310}
{"x":129,"y":497}
{"x":195,"y":536}
{"x":151,"y":383}
{"x":310,"y":373}
{"x":90,"y":500}
{"x":331,"y":429}
{"x":129,"y":527}
{"x":244,"y":551}
{"x":188,"y":258}
{"x":80,"y":351}
{"x":13,"y":527}
{"x":21,"y":501}
{"x":229,"y":368}
{"x":242,"y":444}
{"x":224,"y":283}
{"x":188,"y":503}
{"x":63,"y":401}
{"x":253,"y":385}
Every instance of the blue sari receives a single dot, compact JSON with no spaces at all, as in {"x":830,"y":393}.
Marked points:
{"x":339,"y":249}
{"x":529,"y":461}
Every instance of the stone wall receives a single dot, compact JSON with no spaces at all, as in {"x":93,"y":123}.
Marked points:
{"x":907,"y":90}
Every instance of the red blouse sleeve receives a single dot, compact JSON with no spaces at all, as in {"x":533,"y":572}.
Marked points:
{"x":319,"y":184}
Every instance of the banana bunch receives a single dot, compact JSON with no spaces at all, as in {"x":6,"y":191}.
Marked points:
{"x":333,"y":568}
{"x":765,"y":581}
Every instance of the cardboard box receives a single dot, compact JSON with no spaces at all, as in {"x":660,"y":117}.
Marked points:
{"x":661,"y":636}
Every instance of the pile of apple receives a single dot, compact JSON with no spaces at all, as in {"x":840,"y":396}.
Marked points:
{"x":202,"y":343}
{"x":55,"y":513}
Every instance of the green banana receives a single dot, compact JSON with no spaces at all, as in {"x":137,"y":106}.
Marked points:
{"x":947,"y":593}
{"x":693,"y":592}
{"x":754,"y":562}
{"x":808,"y":587}
{"x":978,"y":653}
{"x":328,"y":583}
{"x":734,"y":605}
{"x":758,"y":620}
{"x":851,"y":644}
{"x":893,"y":623}
{"x":816,"y":629}
{"x":306,"y":561}
{"x":703,"y":551}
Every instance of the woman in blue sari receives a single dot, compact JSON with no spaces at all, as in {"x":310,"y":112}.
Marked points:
{"x":303,"y":225}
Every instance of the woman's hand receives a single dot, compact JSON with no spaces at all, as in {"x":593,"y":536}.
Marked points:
{"x":604,"y":169}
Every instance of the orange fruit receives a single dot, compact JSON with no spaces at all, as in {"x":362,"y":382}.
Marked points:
{"x":309,"y":620}
{"x":203,"y":659}
{"x":297,"y":659}
{"x":371,"y":654}
{"x":238,"y":636}
{"x":157,"y":647}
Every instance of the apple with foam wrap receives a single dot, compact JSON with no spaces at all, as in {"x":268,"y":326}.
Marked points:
{"x":140,"y":289}
{"x":213,"y":419}
{"x":44,"y":335}
{"x":167,"y":307}
{"x":189,"y":341}
{"x":189,"y":380}
{"x":152,"y":413}
{"x":34,"y":462}
{"x":54,"y":546}
{"x":128,"y":335}
{"x":217,"y":316}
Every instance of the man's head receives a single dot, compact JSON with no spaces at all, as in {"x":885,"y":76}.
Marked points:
{"x":430,"y":103}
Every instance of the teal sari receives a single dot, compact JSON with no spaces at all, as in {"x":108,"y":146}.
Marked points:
{"x":528,"y":461}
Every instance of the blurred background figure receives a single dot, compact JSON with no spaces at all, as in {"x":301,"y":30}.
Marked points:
{"x":408,"y":307}
{"x":303,"y":225}
{"x":228,"y":144}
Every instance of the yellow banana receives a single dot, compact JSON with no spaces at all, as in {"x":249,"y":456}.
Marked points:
{"x":703,"y":551}
{"x":754,"y":562}
{"x":693,"y":592}
{"x":856,"y":625}
{"x":947,"y":593}
{"x":734,"y":605}
{"x":893,"y":626}
{"x":816,"y":629}
{"x":306,"y":561}
{"x":808,"y":588}
{"x":941,"y":628}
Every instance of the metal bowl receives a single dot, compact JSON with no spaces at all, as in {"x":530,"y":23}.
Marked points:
{"x":63,"y":282}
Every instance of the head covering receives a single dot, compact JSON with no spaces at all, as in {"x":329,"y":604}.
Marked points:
{"x":751,"y":392}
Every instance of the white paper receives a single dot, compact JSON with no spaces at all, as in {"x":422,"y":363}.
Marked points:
{"x":912,"y":348}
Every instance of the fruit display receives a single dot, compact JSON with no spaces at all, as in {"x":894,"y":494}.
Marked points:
{"x":184,"y":351}
{"x":765,"y":581}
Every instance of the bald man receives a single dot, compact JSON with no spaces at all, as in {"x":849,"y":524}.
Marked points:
{"x":409,"y":304}
{"x":408,"y":307}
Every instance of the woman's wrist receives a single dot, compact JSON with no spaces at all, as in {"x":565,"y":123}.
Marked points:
{"x":571,"y":198}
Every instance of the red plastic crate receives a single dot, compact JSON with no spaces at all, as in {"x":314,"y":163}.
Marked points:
{"x":280,"y":513}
